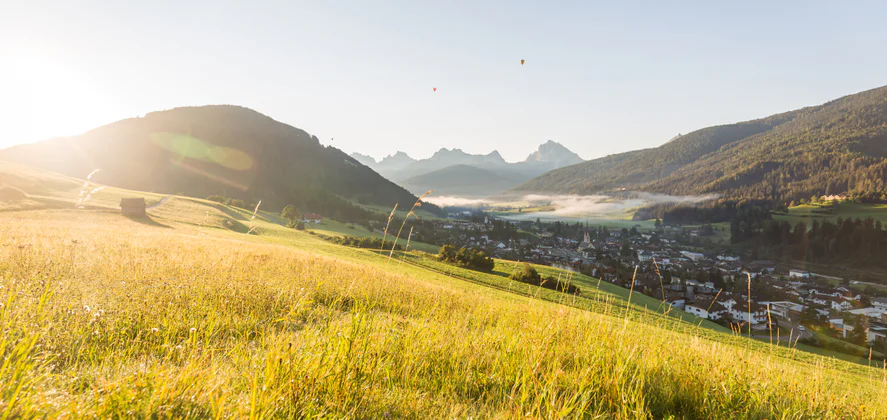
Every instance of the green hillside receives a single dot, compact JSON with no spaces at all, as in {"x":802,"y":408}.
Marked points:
{"x":213,"y":150}
{"x":836,"y":148}
{"x":184,"y":314}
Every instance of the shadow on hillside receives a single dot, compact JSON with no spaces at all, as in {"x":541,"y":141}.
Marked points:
{"x":146,"y":220}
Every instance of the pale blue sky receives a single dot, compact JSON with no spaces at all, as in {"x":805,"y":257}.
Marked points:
{"x":600,"y":78}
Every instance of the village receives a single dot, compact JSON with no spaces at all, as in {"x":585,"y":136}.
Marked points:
{"x":675,"y":265}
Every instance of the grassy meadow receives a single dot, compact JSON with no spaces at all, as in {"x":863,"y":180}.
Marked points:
{"x":809,"y":212}
{"x":185,"y":315}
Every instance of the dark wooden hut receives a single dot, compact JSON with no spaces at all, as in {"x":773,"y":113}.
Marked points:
{"x":133,"y":207}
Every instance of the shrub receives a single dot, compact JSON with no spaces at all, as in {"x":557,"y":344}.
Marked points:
{"x":217,"y":198}
{"x":362,"y":242}
{"x":466,"y":257}
{"x":291,"y":213}
{"x":528,"y":274}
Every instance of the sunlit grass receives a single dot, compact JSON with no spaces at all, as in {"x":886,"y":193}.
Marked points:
{"x":107,"y":317}
{"x":182,"y":314}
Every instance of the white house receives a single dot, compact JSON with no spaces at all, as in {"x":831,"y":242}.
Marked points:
{"x":728,"y":258}
{"x":740,"y":313}
{"x":783,"y":309}
{"x":798,"y":274}
{"x":871,"y":312}
{"x":877,"y":334}
{"x":694,"y":256}
{"x":880,"y":303}
{"x":703,"y":308}
{"x":697,"y":310}
{"x":841,"y":305}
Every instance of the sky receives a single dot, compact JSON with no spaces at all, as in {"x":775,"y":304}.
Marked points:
{"x":599,"y":77}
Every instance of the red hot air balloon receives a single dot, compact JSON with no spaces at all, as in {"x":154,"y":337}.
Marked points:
{"x":435,"y":89}
{"x":522,"y":62}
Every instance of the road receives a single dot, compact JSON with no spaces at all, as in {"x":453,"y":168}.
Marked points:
{"x":159,"y":203}
{"x":793,"y":335}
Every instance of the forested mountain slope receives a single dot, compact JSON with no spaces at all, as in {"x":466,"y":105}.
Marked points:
{"x":836,"y":148}
{"x":219,"y":149}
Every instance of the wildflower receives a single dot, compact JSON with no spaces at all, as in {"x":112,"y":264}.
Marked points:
{"x":179,"y":347}
{"x":154,"y":330}
{"x":193,"y":330}
{"x":86,"y":308}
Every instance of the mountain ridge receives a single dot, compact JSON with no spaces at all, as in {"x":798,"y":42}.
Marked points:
{"x":207,"y":150}
{"x":839,"y":147}
{"x":549,"y":155}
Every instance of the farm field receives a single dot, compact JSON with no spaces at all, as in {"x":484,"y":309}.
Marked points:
{"x":185,"y":314}
{"x":809,"y":212}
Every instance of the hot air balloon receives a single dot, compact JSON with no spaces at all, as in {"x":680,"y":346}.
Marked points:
{"x":522,"y":62}
{"x":435,"y":89}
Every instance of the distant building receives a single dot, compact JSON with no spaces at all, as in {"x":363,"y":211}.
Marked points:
{"x":312,"y":218}
{"x":877,"y":334}
{"x":705,"y":307}
{"x":762,"y":266}
{"x":798,"y":274}
{"x":694,"y":256}
{"x":871,"y":312}
{"x":783,"y":309}
{"x":740,"y":313}
{"x":133,"y":207}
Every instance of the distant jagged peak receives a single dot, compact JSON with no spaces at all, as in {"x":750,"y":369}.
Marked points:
{"x":399,"y":157}
{"x":554,"y":152}
{"x":494,"y":156}
{"x":444,"y":152}
{"x":364,"y":159}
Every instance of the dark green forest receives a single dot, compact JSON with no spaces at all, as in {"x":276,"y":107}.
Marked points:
{"x":854,"y":241}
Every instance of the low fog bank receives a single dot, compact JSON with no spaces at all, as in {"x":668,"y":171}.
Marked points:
{"x":450,"y":201}
{"x":571,"y":206}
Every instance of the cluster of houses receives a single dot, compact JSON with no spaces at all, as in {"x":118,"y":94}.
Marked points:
{"x":799,"y":290}
{"x":651,"y":252}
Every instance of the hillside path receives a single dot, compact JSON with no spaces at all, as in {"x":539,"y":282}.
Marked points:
{"x":159,"y":203}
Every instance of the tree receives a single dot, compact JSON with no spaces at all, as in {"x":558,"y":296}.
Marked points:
{"x":626,"y":250}
{"x":291,"y":213}
{"x":527,"y":274}
{"x":859,"y":335}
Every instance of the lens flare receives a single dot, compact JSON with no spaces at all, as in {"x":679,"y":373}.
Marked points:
{"x":185,"y":146}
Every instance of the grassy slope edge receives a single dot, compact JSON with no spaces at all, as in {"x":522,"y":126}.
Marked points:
{"x":183,"y":315}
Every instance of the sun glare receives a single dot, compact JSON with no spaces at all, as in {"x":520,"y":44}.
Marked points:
{"x":47,"y":97}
